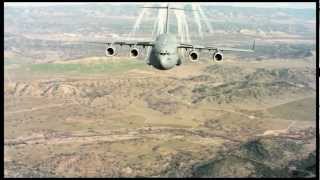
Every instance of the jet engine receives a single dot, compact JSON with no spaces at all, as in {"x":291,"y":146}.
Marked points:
{"x":193,"y":55}
{"x":110,"y":51}
{"x":134,"y":52}
{"x":217,"y":56}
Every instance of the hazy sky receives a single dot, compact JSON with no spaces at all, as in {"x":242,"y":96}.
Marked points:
{"x":298,"y":5}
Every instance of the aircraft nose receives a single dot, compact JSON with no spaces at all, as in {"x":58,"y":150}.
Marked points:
{"x":165,"y":62}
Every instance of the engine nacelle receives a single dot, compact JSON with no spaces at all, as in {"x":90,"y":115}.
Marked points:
{"x":134,"y":52}
{"x":217,"y":56}
{"x":110,"y":51}
{"x":194,"y":55}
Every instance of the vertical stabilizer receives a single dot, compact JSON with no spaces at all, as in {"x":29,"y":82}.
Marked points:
{"x":166,"y":29}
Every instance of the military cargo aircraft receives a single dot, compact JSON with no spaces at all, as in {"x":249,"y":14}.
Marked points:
{"x":164,"y":50}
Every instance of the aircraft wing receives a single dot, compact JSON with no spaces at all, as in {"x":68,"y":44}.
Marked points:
{"x":209,"y":48}
{"x":121,"y":43}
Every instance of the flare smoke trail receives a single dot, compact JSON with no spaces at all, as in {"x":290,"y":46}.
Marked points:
{"x":185,"y":25}
{"x":182,"y":25}
{"x":179,"y":25}
{"x":195,"y":7}
{"x":161,"y":20}
{"x":158,"y":26}
{"x":137,"y":23}
{"x":205,"y":18}
{"x":182,"y":29}
{"x":154,"y":29}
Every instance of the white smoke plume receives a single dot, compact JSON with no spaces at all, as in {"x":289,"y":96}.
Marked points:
{"x":195,"y":8}
{"x":205,"y":18}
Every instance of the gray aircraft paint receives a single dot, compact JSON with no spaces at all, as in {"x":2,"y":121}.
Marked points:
{"x":164,"y":54}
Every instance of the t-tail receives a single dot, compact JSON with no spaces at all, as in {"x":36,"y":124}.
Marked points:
{"x":166,"y":30}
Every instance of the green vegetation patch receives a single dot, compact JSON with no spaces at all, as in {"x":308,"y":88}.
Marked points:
{"x":86,"y":68}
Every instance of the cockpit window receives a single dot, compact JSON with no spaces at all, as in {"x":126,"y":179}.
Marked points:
{"x":164,"y":53}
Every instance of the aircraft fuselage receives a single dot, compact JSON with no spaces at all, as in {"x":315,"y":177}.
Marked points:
{"x":164,"y":54}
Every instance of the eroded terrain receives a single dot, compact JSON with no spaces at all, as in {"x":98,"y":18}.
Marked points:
{"x":229,"y":119}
